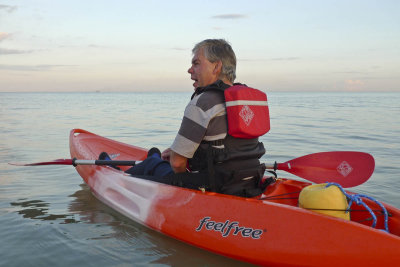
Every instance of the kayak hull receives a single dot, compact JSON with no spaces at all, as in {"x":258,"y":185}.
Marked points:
{"x":261,"y":230}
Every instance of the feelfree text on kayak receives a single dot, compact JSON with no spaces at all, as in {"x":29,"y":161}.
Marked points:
{"x":229,"y":228}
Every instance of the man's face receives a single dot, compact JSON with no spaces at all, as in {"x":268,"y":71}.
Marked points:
{"x":202,"y":71}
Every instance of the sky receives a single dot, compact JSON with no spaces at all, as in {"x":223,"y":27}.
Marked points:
{"x":129,"y":45}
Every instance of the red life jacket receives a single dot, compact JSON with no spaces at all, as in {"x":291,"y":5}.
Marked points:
{"x":247,"y":112}
{"x":227,"y":161}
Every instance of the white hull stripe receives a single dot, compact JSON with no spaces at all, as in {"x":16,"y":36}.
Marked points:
{"x":246,"y":102}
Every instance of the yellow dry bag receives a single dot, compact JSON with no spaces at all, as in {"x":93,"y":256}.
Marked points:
{"x":326,"y":200}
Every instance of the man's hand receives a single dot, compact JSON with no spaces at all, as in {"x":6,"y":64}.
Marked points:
{"x":178,"y":162}
{"x":166,"y":154}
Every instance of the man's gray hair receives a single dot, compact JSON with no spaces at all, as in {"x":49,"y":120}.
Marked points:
{"x":219,"y":50}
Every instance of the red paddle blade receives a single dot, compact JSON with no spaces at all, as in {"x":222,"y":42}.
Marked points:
{"x":54,"y":162}
{"x":347,"y":168}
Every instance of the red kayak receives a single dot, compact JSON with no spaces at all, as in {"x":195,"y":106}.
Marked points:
{"x":269,"y":229}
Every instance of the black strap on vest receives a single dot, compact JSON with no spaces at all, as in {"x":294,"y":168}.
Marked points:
{"x":218,"y":86}
{"x":211,"y":170}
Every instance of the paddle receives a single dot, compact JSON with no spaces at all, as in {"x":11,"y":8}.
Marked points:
{"x":347,"y":168}
{"x":76,"y":162}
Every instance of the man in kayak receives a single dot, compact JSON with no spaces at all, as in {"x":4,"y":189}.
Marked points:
{"x":218,"y":161}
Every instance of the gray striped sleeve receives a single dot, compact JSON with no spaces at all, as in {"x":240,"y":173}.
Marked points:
{"x":204,"y":118}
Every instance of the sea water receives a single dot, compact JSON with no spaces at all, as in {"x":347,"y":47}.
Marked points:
{"x":48,"y":216}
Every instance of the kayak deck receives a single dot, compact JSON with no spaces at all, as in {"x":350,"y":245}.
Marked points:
{"x":286,"y":192}
{"x":269,"y":229}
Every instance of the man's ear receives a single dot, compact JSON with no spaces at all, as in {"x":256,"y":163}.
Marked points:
{"x":218,"y":68}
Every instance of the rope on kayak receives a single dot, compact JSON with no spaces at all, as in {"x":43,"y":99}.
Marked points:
{"x":357,"y":198}
{"x":380,"y":212}
{"x":280,"y":197}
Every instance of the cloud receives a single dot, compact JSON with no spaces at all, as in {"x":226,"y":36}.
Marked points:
{"x":272,"y":59}
{"x":4,"y":35}
{"x":229,"y":16}
{"x":7,"y":8}
{"x":97,"y":46}
{"x":5,"y":51}
{"x":42,"y":67}
{"x":354,"y":85}
{"x":351,"y":72}
{"x":177,"y":48}
{"x":354,"y":82}
{"x":284,"y":58}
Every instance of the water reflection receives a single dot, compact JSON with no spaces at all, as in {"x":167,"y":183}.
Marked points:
{"x":38,"y":210}
{"x":136,"y":242}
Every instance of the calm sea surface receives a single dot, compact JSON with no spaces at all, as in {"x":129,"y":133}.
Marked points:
{"x":48,"y":217}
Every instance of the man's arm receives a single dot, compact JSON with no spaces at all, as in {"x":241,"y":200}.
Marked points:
{"x":178,"y":162}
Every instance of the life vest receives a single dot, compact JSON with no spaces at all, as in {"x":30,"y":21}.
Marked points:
{"x":247,"y":111}
{"x":246,"y":108}
{"x":234,"y":169}
{"x":248,"y":118}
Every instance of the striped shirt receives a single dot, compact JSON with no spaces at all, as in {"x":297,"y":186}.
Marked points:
{"x":204,"y":119}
